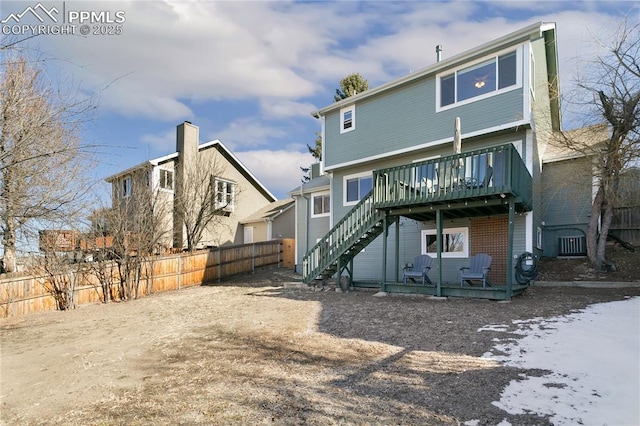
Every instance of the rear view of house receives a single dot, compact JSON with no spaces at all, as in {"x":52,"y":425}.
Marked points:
{"x":395,"y":185}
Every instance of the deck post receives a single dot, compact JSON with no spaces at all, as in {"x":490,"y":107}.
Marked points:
{"x":510,"y":236}
{"x":439,"y":251}
{"x":397,"y":248}
{"x":385,"y":223}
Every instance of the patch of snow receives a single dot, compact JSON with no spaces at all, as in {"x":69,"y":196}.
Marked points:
{"x":593,"y":358}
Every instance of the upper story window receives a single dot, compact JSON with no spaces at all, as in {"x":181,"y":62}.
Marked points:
{"x":126,"y":187}
{"x":166,"y":179}
{"x":224,"y":194}
{"x":483,"y":79}
{"x":356,"y":187}
{"x":347,"y":119}
{"x":321,"y":205}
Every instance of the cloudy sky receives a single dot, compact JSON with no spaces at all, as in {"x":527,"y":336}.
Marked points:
{"x":250,"y":73}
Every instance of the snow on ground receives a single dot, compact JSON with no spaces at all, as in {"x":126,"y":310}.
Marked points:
{"x":592,"y":363}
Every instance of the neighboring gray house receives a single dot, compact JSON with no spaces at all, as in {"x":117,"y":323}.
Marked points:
{"x":397,"y":188}
{"x":237,"y":192}
{"x":273,"y":221}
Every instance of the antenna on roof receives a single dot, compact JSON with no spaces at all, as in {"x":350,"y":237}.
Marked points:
{"x":438,"y":52}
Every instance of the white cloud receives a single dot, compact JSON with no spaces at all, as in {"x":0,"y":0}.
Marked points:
{"x":165,"y":143}
{"x":283,"y":108}
{"x":248,"y":132}
{"x":278,"y":170}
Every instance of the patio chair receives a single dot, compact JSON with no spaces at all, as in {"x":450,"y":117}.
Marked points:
{"x":419,"y":269}
{"x":479,"y":267}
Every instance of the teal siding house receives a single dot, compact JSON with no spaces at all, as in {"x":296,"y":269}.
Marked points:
{"x":395,"y":184}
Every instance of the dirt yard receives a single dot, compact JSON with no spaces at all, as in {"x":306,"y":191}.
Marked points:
{"x":253,"y":351}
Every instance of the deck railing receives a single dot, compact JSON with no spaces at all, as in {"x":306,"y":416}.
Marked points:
{"x":486,"y":172}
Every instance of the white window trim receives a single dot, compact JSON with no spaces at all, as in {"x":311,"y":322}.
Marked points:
{"x":344,"y":187}
{"x":227,"y":207}
{"x":447,"y":73}
{"x":173,"y":180}
{"x":462,"y":230}
{"x":532,"y":77}
{"x":313,"y":197}
{"x":248,"y":232}
{"x":344,"y":110}
{"x":125,"y":193}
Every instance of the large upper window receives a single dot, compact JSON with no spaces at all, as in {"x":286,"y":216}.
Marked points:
{"x":166,"y":179}
{"x":491,"y":75}
{"x":356,"y":187}
{"x":455,"y":242}
{"x":348,"y":119}
{"x":321,"y":205}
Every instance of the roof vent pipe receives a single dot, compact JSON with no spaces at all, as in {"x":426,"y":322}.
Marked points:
{"x":438,"y":52}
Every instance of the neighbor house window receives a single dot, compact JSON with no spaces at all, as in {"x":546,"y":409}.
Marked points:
{"x":126,"y":187}
{"x":455,"y":242}
{"x":166,"y":179}
{"x":356,"y":187}
{"x":321,"y":205}
{"x":348,"y":119}
{"x":479,"y":80}
{"x":224,"y":194}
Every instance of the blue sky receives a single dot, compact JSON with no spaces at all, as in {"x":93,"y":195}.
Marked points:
{"x":250,"y":73}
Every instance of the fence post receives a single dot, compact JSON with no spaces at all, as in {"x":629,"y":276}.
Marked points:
{"x":219,"y":264}
{"x":179,"y":270}
{"x":280,"y":249}
{"x":253,"y":258}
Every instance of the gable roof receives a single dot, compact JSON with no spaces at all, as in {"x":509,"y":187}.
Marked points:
{"x":575,"y":143}
{"x":270,"y":211}
{"x":314,"y":185}
{"x":211,"y":144}
{"x":538,"y":29}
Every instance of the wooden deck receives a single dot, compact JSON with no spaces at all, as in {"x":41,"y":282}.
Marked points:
{"x":495,"y":292}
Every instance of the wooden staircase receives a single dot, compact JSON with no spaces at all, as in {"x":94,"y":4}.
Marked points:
{"x":333,"y":253}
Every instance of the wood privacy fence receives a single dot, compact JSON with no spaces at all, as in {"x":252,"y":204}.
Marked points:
{"x":625,"y":224}
{"x":22,"y":294}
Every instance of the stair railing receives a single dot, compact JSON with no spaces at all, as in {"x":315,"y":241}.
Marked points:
{"x":354,"y":225}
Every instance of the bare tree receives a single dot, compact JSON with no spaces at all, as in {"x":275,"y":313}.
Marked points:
{"x":58,"y":271}
{"x":137,"y":226}
{"x":43,"y":165}
{"x":612,"y":85}
{"x":203,"y":198}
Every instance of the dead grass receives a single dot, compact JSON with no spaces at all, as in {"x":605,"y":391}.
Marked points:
{"x":254,"y":352}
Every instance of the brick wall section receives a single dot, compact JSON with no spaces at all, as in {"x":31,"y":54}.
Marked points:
{"x":489,"y":235}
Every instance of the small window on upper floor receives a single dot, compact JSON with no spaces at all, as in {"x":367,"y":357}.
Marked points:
{"x":224,"y":195}
{"x":126,"y":187}
{"x":348,"y":119}
{"x":480,"y":80}
{"x":321,"y":205}
{"x":166,"y":179}
{"x":356,"y":187}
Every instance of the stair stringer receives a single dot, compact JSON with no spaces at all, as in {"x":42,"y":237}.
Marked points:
{"x":361,"y":225}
